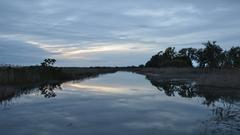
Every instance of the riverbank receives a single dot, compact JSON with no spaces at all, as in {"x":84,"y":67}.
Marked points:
{"x":15,"y":81}
{"x":218,"y":82}
{"x":225,"y":78}
{"x":37,"y":74}
{"x":229,"y":78}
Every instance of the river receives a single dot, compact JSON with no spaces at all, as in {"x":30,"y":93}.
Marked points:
{"x":118,"y":104}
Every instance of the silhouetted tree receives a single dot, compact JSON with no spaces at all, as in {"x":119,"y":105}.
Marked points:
{"x":181,"y":61}
{"x":48,"y":62}
{"x":223,"y":59}
{"x":212,"y":53}
{"x":169,"y":58}
{"x":188,"y":52}
{"x":169,"y":53}
{"x":155,"y":60}
{"x":200,"y":58}
{"x":141,"y":66}
{"x":234,"y":57}
{"x":212,"y":56}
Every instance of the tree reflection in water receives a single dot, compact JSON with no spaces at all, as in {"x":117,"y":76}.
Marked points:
{"x":189,"y":89}
{"x":224,"y":103}
{"x":170,"y":88}
{"x":47,"y":89}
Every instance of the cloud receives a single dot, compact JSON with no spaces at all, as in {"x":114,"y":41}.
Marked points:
{"x":81,"y":30}
{"x":164,"y":12}
{"x":70,"y":52}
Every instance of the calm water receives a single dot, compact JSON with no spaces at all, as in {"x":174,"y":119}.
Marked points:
{"x":120,"y":103}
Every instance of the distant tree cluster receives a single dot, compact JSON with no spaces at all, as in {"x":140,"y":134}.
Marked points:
{"x":48,"y":62}
{"x":212,"y":56}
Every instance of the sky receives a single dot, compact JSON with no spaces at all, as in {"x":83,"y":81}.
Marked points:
{"x":111,"y":32}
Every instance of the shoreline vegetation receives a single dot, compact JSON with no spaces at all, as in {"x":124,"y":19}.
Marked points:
{"x":221,"y":78}
{"x":229,"y":77}
{"x":215,"y":68}
{"x":212,"y":84}
{"x":38,"y":74}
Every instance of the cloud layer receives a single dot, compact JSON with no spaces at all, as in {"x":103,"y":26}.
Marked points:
{"x":110,"y":32}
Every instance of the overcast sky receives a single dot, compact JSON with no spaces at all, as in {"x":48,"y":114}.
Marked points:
{"x":111,"y":32}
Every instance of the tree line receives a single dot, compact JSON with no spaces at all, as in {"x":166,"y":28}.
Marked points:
{"x":211,"y":56}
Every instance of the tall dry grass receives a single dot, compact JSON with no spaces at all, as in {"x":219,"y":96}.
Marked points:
{"x":205,"y":77}
{"x":35,"y":74}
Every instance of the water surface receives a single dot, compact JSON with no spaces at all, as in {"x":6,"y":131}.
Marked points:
{"x":120,"y":103}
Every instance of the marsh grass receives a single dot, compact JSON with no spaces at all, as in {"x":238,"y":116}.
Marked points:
{"x":229,"y":78}
{"x":16,"y":81}
{"x":36,"y":74}
{"x":24,"y":75}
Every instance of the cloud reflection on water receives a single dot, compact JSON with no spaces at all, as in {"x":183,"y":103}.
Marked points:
{"x":138,"y":109}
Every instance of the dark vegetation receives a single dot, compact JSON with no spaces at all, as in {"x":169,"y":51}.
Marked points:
{"x":13,"y":75}
{"x":47,"y":88}
{"x":31,"y":74}
{"x":209,"y":59}
{"x":207,"y":77}
{"x":45,"y":78}
{"x":216,"y":78}
{"x":212,"y":56}
{"x":216,"y":68}
{"x":7,"y":92}
{"x":188,"y":89}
